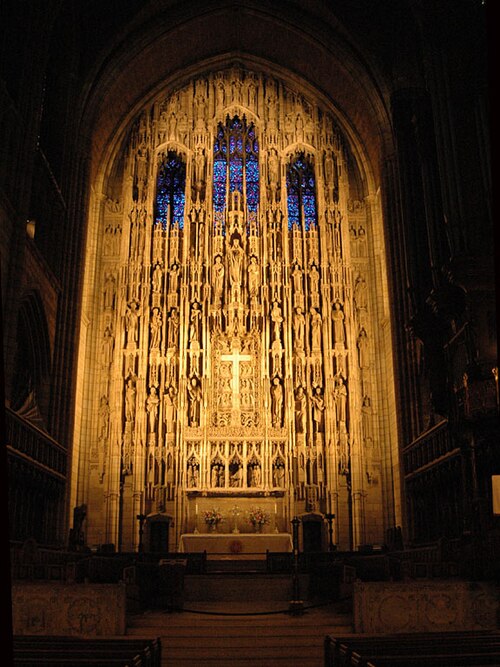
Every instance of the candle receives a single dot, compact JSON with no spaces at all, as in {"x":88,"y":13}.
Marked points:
{"x":196,"y":509}
{"x":275,"y":508}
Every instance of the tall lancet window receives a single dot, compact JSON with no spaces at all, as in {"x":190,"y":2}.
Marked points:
{"x":301,"y":194}
{"x":236,"y":167}
{"x":171,"y":191}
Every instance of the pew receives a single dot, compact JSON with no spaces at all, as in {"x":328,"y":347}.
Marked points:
{"x":429,"y":649}
{"x":86,"y":652}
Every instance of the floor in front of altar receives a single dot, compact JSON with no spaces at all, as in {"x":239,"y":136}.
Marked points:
{"x":248,"y":633}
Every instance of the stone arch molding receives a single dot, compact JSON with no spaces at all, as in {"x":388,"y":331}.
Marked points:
{"x":268,"y":387}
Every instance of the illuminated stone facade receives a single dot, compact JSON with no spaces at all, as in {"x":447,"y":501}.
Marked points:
{"x":237,"y":341}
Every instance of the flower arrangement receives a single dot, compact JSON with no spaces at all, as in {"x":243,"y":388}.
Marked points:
{"x":213,"y":517}
{"x":257,"y":517}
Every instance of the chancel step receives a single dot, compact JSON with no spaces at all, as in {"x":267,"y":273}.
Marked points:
{"x":245,"y":634}
{"x":242,"y":586}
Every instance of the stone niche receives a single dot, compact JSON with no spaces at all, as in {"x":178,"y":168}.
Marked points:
{"x":386,"y":608}
{"x":85,"y":610}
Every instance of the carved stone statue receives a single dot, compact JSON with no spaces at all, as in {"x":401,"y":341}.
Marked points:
{"x":277,"y":319}
{"x":314,"y":280}
{"x":130,"y":400}
{"x":103,"y":418}
{"x":173,"y":282}
{"x":170,"y":405}
{"x":276,"y":356}
{"x":274,"y":174}
{"x":109,"y":291}
{"x":156,"y":279}
{"x":236,"y":253}
{"x":199,"y":170}
{"x":366,"y":423}
{"x":297,"y":279}
{"x":341,"y":400}
{"x":316,"y":324}
{"x":360,"y":292}
{"x":218,"y":278}
{"x":318,"y":409}
{"x":364,"y":357}
{"x":155,"y":329}
{"x":236,"y":476}
{"x":194,"y":401}
{"x":299,"y":322}
{"x":255,"y":479}
{"x":152,"y":403}
{"x":193,"y":477}
{"x":338,"y":324}
{"x":217,"y":476}
{"x":173,"y":328}
{"x":276,"y":402}
{"x":132,"y":323}
{"x":300,"y":409}
{"x":253,"y":277}
{"x":108,"y":343}
{"x":279,"y":475}
{"x":194,"y":322}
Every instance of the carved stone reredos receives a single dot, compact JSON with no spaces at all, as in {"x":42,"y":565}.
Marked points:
{"x":229,"y":339}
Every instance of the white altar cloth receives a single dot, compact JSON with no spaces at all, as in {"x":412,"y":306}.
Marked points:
{"x":238,"y":543}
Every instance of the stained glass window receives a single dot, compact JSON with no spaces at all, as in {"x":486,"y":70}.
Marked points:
{"x":301,"y":195}
{"x":236,"y":167}
{"x":171,"y":191}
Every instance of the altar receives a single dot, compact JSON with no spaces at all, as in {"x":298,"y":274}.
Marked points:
{"x":235,"y":543}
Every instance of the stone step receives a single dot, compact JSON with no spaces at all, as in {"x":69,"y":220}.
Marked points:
{"x":235,"y":565}
{"x":264,"y":636}
{"x":241,"y":586}
{"x":234,"y":654}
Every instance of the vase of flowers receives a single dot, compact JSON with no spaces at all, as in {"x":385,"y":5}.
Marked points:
{"x":258,"y":518}
{"x":212,"y":518}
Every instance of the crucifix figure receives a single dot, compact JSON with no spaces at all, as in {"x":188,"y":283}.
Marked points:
{"x":235,"y":357}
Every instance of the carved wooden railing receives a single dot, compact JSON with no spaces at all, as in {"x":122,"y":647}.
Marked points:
{"x":433,"y":445}
{"x":33,"y":444}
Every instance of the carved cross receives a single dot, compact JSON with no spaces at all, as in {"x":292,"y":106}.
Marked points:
{"x":235,"y":358}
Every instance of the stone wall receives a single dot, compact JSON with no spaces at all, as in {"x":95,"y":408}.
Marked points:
{"x":71,"y":610}
{"x":391,"y":607}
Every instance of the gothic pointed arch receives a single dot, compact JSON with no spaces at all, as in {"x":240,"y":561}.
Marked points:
{"x":33,"y":361}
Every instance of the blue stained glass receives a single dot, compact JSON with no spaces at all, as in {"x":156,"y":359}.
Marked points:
{"x":301,"y":197}
{"x":293,"y":209}
{"x":238,"y":142}
{"x":236,"y":174}
{"x":219,"y":184}
{"x":170,"y":191}
{"x":235,"y":124}
{"x":252,"y":196}
{"x":252,"y":182}
{"x":252,"y":169}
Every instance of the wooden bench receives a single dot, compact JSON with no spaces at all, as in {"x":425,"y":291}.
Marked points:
{"x":106,"y":652}
{"x":428,"y":649}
